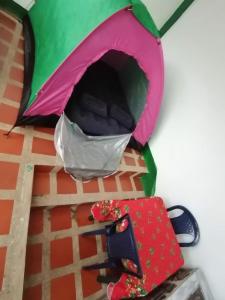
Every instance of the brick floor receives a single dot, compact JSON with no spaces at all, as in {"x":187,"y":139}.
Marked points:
{"x":6,"y":208}
{"x":63,"y":288}
{"x":33,"y":259}
{"x":55,"y":250}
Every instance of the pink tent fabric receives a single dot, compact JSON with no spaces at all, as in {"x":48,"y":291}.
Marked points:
{"x":121,"y":32}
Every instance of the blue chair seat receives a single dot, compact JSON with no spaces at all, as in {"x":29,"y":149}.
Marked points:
{"x":120,"y":245}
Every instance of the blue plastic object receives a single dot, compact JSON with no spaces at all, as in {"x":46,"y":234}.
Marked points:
{"x":120,"y":245}
{"x":185,"y":224}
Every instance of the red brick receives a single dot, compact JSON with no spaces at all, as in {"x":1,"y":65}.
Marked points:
{"x":141,"y":163}
{"x":19,"y":58}
{"x":110,"y":184}
{"x":82,"y":213}
{"x":61,"y":252}
{"x":129,"y":161}
{"x":6,"y":35}
{"x":45,"y":130}
{"x":65,"y":184}
{"x":36,"y":221}
{"x":8,"y":175}
{"x":43,"y":169}
{"x":33,"y":293}
{"x":33,"y":259}
{"x":89,"y":282}
{"x":3,"y":49}
{"x":12,"y":143}
{"x":16,"y":74}
{"x":8,"y":22}
{"x":125,"y":183}
{"x":91,"y":186}
{"x":8,"y":114}
{"x":87,"y":246}
{"x":63,"y":288}
{"x":138,"y":184}
{"x":2,"y":264}
{"x":61,"y":218}
{"x":41,"y":183}
{"x":43,"y":146}
{"x":6,"y":208}
{"x":13,"y":92}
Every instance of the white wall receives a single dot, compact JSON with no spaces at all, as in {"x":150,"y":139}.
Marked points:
{"x":27,"y":4}
{"x":189,"y":142}
{"x":161,"y":10}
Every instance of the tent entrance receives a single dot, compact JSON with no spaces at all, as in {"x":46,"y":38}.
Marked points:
{"x":110,"y":97}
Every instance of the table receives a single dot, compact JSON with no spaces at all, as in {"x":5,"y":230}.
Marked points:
{"x":159,"y":253}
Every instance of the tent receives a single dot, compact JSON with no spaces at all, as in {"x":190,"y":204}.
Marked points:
{"x":68,"y":44}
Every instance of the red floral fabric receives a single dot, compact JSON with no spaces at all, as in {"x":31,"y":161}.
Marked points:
{"x":159,"y":253}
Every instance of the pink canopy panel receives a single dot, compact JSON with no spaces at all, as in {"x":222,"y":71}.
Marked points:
{"x":121,"y":32}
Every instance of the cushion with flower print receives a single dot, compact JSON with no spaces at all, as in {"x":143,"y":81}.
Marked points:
{"x":122,"y":226}
{"x":129,"y":265}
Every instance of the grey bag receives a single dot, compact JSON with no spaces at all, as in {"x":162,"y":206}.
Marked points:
{"x":87,"y":156}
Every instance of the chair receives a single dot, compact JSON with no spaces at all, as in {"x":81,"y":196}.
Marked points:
{"x":120,"y":245}
{"x":185,"y":224}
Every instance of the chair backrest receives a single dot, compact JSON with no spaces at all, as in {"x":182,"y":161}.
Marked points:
{"x":122,"y":245}
{"x":185,"y":223}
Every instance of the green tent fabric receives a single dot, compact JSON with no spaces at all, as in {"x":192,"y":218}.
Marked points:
{"x":144,"y":16}
{"x":59,"y":27}
{"x":149,"y":179}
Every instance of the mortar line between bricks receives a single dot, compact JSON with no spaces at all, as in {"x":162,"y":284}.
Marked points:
{"x":46,"y":256}
{"x":76,"y":255}
{"x":8,"y":59}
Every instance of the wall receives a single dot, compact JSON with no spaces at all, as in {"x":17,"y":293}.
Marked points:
{"x":161,"y":10}
{"x":189,"y":142}
{"x":27,"y":4}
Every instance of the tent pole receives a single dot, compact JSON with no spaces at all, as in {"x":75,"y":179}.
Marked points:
{"x":175,"y":16}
